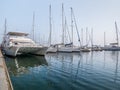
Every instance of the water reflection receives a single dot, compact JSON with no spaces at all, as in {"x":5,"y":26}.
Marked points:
{"x":115,"y":56}
{"x":67,"y":71}
{"x":91,"y":68}
{"x":21,"y":64}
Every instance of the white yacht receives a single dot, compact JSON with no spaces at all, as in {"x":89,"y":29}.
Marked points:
{"x":16,"y":43}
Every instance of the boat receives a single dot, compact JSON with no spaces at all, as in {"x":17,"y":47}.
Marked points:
{"x":84,"y":49}
{"x":76,"y":49}
{"x":65,"y":48}
{"x":112,"y":47}
{"x":52,"y":48}
{"x":18,"y":43}
{"x":115,"y":45}
{"x":96,"y":48}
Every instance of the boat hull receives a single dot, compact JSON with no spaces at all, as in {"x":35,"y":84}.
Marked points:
{"x":14,"y":51}
{"x":76,"y":49}
{"x":40,"y":52}
{"x":10,"y":51}
{"x":65,"y":49}
{"x":111,"y":48}
{"x":51,"y":50}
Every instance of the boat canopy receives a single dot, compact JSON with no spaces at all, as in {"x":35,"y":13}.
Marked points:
{"x":17,"y":34}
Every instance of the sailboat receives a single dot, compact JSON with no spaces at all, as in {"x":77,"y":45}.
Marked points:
{"x":81,"y":48}
{"x":52,"y":48}
{"x":94,"y":47}
{"x":74,"y":48}
{"x":113,"y":46}
{"x":85,"y":48}
{"x":68,"y":46}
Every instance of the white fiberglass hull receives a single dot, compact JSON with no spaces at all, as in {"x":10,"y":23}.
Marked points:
{"x":65,"y":49}
{"x":11,"y":51}
{"x":14,"y":51}
{"x":51,"y":50}
{"x":76,"y":49}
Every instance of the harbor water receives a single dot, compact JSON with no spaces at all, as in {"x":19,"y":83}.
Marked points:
{"x":66,"y":71}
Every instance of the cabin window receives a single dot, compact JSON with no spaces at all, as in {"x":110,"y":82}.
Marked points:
{"x":16,"y":43}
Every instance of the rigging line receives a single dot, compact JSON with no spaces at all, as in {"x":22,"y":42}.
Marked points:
{"x":67,"y":29}
{"x":118,"y":32}
{"x":76,"y":26}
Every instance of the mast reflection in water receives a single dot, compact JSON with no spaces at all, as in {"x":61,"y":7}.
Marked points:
{"x":66,"y":71}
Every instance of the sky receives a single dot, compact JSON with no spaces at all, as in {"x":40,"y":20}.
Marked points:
{"x":97,"y":14}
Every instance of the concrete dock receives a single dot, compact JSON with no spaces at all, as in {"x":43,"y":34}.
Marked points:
{"x":5,"y":82}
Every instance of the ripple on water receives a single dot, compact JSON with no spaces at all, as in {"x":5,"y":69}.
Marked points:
{"x":86,"y":71}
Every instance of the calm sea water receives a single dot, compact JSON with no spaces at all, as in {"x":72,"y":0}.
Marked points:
{"x":66,"y":71}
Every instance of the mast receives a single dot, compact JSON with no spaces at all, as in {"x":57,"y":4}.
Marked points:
{"x":76,"y":26}
{"x":116,"y":33}
{"x":33,"y":25}
{"x":92,"y":37}
{"x":65,"y":29}
{"x":50,"y":25}
{"x":86,"y":36}
{"x":104,"y":39}
{"x":71,"y":26}
{"x":62,"y":23}
{"x":82,"y":36}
